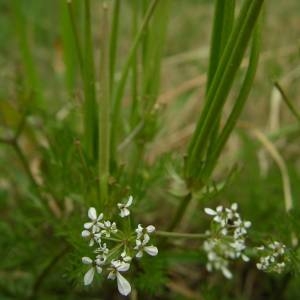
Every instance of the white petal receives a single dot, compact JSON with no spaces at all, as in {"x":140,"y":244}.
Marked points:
{"x":89,"y":276}
{"x":139,"y":254}
{"x":99,"y":269}
{"x":245,"y":258}
{"x":111,"y":275}
{"x":87,"y":260}
{"x":234,"y":206}
{"x":85,"y":233}
{"x":146,"y":239}
{"x":123,"y":285}
{"x":123,"y":267}
{"x":219,"y":209}
{"x":151,"y":250}
{"x":124,"y":212}
{"x":247,"y":224}
{"x":92,"y":213}
{"x":209,"y":211}
{"x":129,"y":202}
{"x":226,"y":273}
{"x":88,"y":225}
{"x":100,"y":217}
{"x":150,"y":228}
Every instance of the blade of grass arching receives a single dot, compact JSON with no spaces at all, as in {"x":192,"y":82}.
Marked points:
{"x":90,"y":107}
{"x":237,"y":108}
{"x":287,"y":101}
{"x":113,"y":42}
{"x":144,"y":46}
{"x":218,"y":73}
{"x":223,"y":80}
{"x":68,"y":46}
{"x":124,"y":75}
{"x":223,"y":23}
{"x":77,"y":45}
{"x":32,"y":79}
{"x":104,"y":112}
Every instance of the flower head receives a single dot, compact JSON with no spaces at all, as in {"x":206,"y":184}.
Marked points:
{"x":227,"y":240}
{"x":124,"y":211}
{"x":272,"y":257}
{"x":113,"y":247}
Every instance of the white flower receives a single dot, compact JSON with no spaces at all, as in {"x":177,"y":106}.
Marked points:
{"x":139,"y":231}
{"x":89,"y":275}
{"x":124,"y":211}
{"x":150,"y":229}
{"x":142,"y":246}
{"x":108,"y":228}
{"x":218,"y":214}
{"x":118,"y":266}
{"x":95,"y":220}
{"x":125,"y":257}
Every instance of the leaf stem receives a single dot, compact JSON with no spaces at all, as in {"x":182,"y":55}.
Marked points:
{"x":104,"y":113}
{"x":181,"y":235}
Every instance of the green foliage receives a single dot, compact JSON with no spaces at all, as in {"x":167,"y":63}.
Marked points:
{"x":84,"y":122}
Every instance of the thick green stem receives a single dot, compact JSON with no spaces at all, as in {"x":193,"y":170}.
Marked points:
{"x":104,"y":113}
{"x":222,"y":82}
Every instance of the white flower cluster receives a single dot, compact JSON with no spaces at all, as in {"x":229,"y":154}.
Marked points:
{"x":273,"y":257}
{"x":114,"y":249}
{"x":226,"y":240}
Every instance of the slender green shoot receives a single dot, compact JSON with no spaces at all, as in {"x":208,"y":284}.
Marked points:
{"x":104,"y":112}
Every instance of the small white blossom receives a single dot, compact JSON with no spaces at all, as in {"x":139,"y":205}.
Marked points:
{"x":89,"y":275}
{"x":95,"y":220}
{"x":124,"y":211}
{"x":107,"y":228}
{"x":118,"y":266}
{"x":218,"y":214}
{"x":142,"y":246}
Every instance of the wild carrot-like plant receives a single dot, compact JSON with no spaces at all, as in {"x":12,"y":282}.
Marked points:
{"x":96,"y":208}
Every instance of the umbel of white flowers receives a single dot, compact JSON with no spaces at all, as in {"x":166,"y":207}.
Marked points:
{"x":112,"y":249}
{"x":272,"y":257}
{"x":226,"y":239}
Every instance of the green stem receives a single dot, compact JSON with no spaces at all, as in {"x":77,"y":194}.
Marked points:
{"x":31,"y":75}
{"x":104,"y":113}
{"x":76,"y":37}
{"x":238,"y":106}
{"x":113,"y":43}
{"x":24,"y":161}
{"x":181,"y":235}
{"x":121,"y":86}
{"x":287,"y":101}
{"x":180,"y":211}
{"x":222,"y":82}
{"x":90,"y":107}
